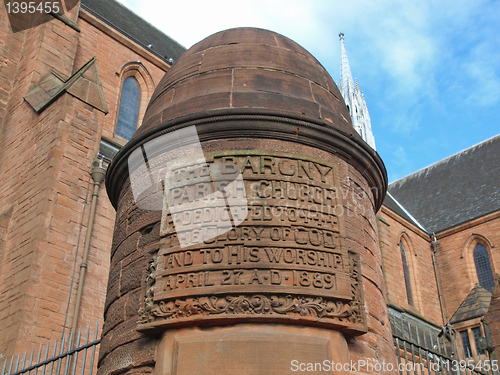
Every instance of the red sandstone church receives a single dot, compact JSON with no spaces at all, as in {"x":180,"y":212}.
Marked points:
{"x":73,"y":91}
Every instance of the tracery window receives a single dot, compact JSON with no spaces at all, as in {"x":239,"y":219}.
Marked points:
{"x":483,"y":267}
{"x":406,"y":273}
{"x":128,"y":113}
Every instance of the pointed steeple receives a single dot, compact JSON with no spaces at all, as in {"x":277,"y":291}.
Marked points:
{"x":346,"y":83}
{"x":354,"y":98}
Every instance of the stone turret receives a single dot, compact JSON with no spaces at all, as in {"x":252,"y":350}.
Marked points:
{"x":245,"y":238}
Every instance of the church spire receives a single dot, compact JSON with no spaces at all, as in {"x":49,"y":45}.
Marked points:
{"x":354,"y":98}
{"x":346,"y":83}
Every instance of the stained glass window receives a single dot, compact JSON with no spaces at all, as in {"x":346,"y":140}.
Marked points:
{"x":406,"y":273}
{"x":129,"y":108}
{"x":483,"y":267}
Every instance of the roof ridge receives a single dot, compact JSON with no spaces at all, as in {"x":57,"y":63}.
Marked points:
{"x":87,"y":5}
{"x":415,"y":221}
{"x":446,"y":159}
{"x":149,"y":23}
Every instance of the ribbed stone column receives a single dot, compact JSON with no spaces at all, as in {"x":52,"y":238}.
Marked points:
{"x":245,"y":237}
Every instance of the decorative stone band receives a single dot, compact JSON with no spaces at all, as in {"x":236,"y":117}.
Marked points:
{"x":285,"y":260}
{"x":225,"y":124}
{"x":347,"y":316}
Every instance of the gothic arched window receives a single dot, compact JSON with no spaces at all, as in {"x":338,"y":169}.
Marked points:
{"x":406,"y":273}
{"x":128,"y":113}
{"x":483,"y":267}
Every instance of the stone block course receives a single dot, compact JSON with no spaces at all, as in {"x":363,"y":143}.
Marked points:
{"x":44,"y":163}
{"x":137,"y":354}
{"x":44,"y":166}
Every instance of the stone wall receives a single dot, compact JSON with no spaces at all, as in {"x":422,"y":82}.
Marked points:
{"x":419,"y":259}
{"x":44,"y":167}
{"x":455,"y":256}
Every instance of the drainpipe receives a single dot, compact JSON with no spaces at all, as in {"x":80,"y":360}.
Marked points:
{"x":435,"y":244}
{"x":97,"y":172}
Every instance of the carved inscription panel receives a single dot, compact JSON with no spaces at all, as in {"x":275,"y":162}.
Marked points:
{"x":253,"y":235}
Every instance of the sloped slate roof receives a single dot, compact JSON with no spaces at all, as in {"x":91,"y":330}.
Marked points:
{"x":395,"y":206}
{"x":454,"y":190}
{"x":475,"y":305}
{"x":134,"y":27}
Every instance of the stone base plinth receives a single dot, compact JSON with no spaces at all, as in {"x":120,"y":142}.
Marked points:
{"x":250,"y":349}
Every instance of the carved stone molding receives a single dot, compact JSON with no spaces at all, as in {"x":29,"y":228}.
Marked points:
{"x":285,"y":260}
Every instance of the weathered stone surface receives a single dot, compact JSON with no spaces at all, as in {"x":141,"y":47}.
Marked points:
{"x":120,"y":335}
{"x":249,"y":77}
{"x":249,"y":199}
{"x":139,"y":353}
{"x":125,"y":248}
{"x":284,"y":261}
{"x":113,"y":291}
{"x":114,"y":315}
{"x":251,"y":349}
{"x":132,"y":276}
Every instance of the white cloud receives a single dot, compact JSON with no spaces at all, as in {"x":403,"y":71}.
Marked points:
{"x":190,"y":22}
{"x":419,"y":63}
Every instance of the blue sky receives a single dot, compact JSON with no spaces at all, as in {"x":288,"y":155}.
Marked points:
{"x":429,"y":70}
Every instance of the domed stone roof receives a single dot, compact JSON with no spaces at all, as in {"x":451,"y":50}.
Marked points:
{"x":251,"y":83}
{"x":244,"y":71}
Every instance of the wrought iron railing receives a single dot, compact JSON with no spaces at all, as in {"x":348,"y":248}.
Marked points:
{"x":414,"y":359}
{"x":422,"y":349}
{"x":419,"y":349}
{"x":68,"y":356}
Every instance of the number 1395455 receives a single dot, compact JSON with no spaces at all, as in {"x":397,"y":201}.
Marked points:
{"x":23,"y":7}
